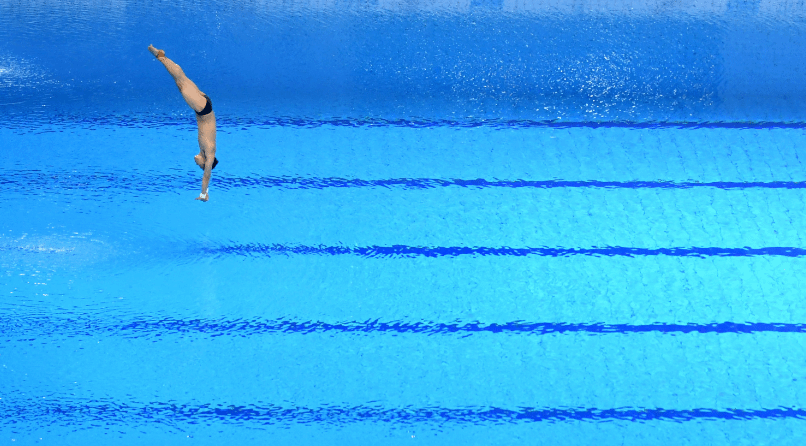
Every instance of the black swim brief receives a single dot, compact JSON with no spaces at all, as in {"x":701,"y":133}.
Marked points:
{"x":207,"y":107}
{"x":215,"y":163}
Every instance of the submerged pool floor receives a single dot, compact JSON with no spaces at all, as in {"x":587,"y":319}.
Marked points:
{"x":381,"y":284}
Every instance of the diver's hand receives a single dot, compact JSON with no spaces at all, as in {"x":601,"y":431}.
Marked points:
{"x":203,"y":197}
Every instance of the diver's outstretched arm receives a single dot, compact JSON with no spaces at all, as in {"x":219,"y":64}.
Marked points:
{"x":191,"y":93}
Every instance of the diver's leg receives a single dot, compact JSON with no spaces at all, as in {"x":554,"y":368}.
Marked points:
{"x":191,"y":93}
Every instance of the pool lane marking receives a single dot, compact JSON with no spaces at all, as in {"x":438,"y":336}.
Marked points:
{"x":405,"y":251}
{"x":43,"y":182}
{"x":234,"y":123}
{"x":258,"y":250}
{"x":83,"y":325}
{"x":69,"y":410}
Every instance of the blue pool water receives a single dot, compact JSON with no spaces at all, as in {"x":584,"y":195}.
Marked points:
{"x":469,"y":222}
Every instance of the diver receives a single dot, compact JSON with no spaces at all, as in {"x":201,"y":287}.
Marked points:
{"x":205,"y":118}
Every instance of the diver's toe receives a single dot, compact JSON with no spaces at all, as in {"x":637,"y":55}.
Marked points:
{"x":157,"y":53}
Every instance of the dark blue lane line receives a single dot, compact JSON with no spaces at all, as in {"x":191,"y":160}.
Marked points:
{"x":29,"y":327}
{"x":72,"y":412}
{"x":236,"y":123}
{"x":36,"y":181}
{"x":257,"y":250}
{"x":507,"y":123}
{"x":434,"y":183}
{"x":404,"y":251}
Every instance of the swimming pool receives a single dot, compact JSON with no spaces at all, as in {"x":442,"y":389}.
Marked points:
{"x":467,"y":222}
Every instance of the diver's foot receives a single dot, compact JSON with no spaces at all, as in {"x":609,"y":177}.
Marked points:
{"x":157,"y":53}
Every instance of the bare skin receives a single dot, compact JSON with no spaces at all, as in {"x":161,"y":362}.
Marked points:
{"x":195,"y":99}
